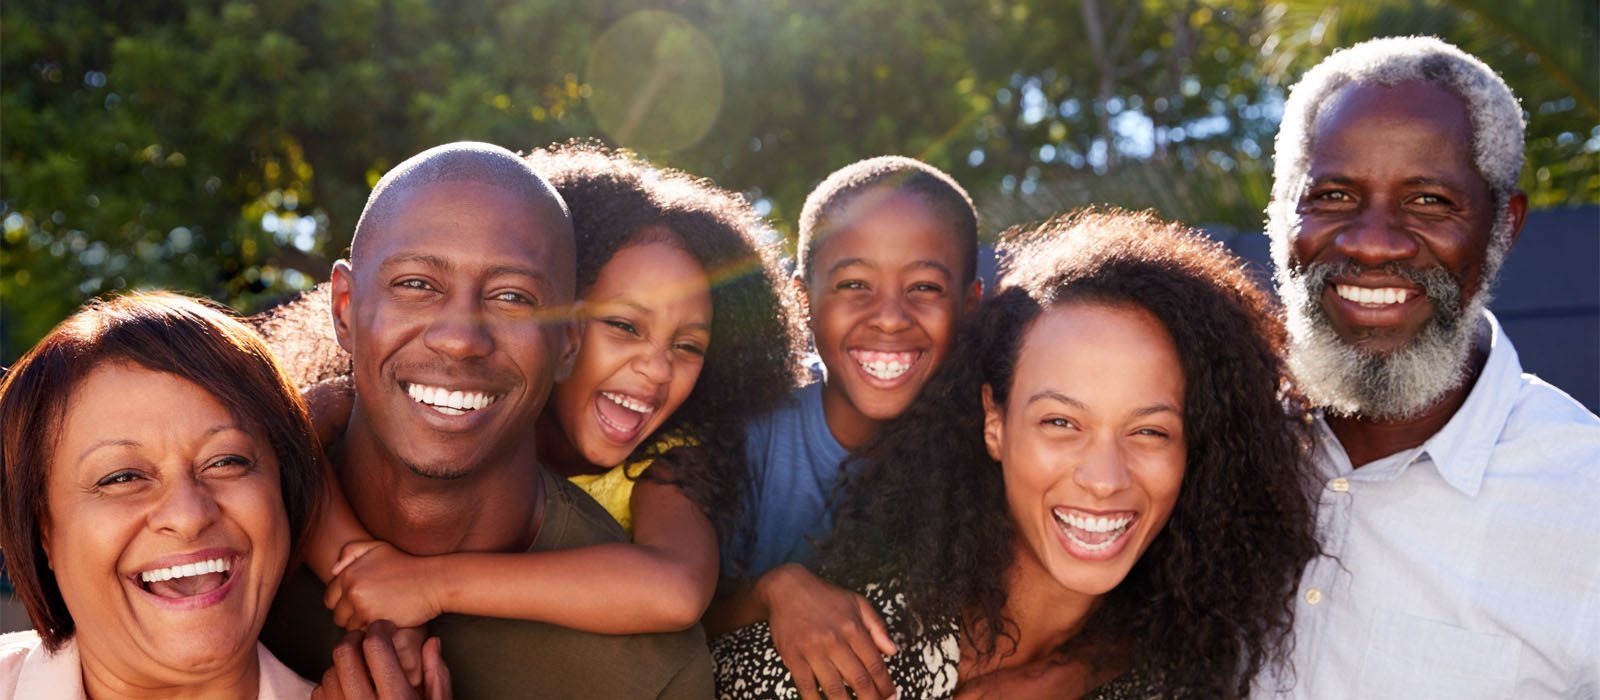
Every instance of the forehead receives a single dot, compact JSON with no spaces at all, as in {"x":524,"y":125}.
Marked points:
{"x":98,"y":406}
{"x":652,"y":273}
{"x":890,"y":230}
{"x":1363,"y":124}
{"x":473,"y":224}
{"x":1095,"y":350}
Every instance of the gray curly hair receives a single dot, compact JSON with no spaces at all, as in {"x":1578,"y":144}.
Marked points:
{"x":1496,"y":116}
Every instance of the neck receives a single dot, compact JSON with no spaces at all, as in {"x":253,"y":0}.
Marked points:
{"x":848,"y":425}
{"x":239,"y":679}
{"x":557,"y":451}
{"x":1366,"y":440}
{"x":495,"y":508}
{"x":1046,"y":616}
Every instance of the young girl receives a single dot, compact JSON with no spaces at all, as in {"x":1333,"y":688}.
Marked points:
{"x":1099,"y":493}
{"x":685,"y":330}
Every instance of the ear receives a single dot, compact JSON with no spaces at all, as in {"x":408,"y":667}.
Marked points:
{"x":994,"y":420}
{"x":802,"y":295}
{"x":343,"y":282}
{"x":44,"y":541}
{"x":571,"y":342}
{"x":1517,"y":209}
{"x":974,"y":297}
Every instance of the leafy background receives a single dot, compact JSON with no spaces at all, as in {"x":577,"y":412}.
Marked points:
{"x":226,"y":148}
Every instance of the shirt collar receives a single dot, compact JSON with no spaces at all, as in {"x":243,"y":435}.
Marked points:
{"x":1460,"y":451}
{"x":1462,"y":448}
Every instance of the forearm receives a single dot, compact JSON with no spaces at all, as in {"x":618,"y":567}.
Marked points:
{"x":739,"y":607}
{"x":607,"y":589}
{"x":333,"y":527}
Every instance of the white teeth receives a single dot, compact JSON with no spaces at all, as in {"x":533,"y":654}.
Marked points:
{"x":449,"y":402}
{"x":885,"y":368}
{"x":1093,"y":524}
{"x":628,"y":402}
{"x":211,"y":566}
{"x":1368,"y":295}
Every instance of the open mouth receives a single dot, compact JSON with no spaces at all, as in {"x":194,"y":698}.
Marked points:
{"x":885,"y":366}
{"x":1091,"y":533}
{"x":450,"y":402}
{"x":622,"y":415}
{"x":1373,"y":296}
{"x":187,"y":580}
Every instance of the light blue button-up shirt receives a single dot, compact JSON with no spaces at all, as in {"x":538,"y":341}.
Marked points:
{"x":1465,"y":567}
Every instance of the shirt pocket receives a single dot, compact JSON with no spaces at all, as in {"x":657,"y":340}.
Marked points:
{"x":1414,"y":658}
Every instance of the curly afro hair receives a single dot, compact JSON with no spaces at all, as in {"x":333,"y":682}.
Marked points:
{"x":618,"y":200}
{"x":1210,"y":602}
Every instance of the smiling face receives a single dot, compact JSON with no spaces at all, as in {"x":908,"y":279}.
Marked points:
{"x":647,"y":328}
{"x":456,"y":319}
{"x":1393,"y":195}
{"x":1090,"y":442}
{"x":885,"y":293}
{"x":166,"y":527}
{"x":1387,"y":266}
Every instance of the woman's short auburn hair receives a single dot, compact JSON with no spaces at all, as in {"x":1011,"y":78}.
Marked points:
{"x":188,"y":338}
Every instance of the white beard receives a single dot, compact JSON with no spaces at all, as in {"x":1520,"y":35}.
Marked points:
{"x":1346,"y":381}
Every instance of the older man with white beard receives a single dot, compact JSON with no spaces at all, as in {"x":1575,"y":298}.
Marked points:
{"x":1460,"y":508}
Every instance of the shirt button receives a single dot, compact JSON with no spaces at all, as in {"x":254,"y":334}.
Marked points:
{"x":1339,"y":485}
{"x":1313,"y":596}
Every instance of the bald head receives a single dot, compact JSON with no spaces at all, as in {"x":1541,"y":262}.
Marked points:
{"x":459,"y":162}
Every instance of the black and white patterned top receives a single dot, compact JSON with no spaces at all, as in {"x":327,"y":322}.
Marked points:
{"x":748,"y":666}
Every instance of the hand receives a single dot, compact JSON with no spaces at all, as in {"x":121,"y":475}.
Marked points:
{"x":374,"y":580}
{"x":330,"y":402}
{"x":365,"y":667}
{"x":827,"y":636}
{"x":409,"y":643}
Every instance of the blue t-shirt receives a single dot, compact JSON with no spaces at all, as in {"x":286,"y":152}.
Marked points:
{"x":794,"y":464}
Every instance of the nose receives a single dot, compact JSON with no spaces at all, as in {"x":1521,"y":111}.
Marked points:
{"x":1103,"y":472}
{"x":1376,"y":237}
{"x":186,"y":509}
{"x":653,"y":364}
{"x":459,"y":332}
{"x":890,"y":315}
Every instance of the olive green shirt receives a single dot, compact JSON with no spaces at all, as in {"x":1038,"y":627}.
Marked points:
{"x":499,"y":658}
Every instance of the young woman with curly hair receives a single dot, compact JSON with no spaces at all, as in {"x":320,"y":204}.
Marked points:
{"x":686,"y":329}
{"x":1101,"y":494}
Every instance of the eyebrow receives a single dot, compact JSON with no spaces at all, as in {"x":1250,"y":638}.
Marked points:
{"x":125,"y":442}
{"x":636,"y":306}
{"x":444,"y":265}
{"x":1051,"y":394}
{"x":915,"y":264}
{"x":1058,"y":396}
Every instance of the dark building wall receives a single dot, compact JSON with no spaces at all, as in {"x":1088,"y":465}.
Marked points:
{"x":1548,"y":299}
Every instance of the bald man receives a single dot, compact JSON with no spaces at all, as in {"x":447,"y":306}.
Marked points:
{"x":454,"y":307}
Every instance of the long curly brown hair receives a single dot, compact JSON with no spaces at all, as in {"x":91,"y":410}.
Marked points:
{"x":755,"y":329}
{"x":1209,"y":603}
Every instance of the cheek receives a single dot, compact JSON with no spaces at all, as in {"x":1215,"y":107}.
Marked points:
{"x":256,"y":508}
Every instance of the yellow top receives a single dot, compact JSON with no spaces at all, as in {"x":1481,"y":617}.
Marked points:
{"x":613,"y":488}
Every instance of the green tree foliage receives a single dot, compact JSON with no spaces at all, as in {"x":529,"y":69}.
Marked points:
{"x":226,"y":147}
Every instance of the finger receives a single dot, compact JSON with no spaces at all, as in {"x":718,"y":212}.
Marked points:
{"x":852,"y":670}
{"x":804,"y":680}
{"x":342,"y":614}
{"x":387,"y":676}
{"x":874,"y":672}
{"x":875,"y":627}
{"x":828,"y":678}
{"x":435,"y":675}
{"x":349,"y":664}
{"x":350,"y":552}
{"x":334,"y":592}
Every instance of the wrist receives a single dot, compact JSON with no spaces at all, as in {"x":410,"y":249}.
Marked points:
{"x":438,"y":588}
{"x":772,"y":584}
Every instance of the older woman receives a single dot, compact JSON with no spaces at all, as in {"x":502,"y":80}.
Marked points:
{"x":158,"y":472}
{"x":1098,"y":495}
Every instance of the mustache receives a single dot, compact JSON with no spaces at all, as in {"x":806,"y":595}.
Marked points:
{"x":1441,"y":287}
